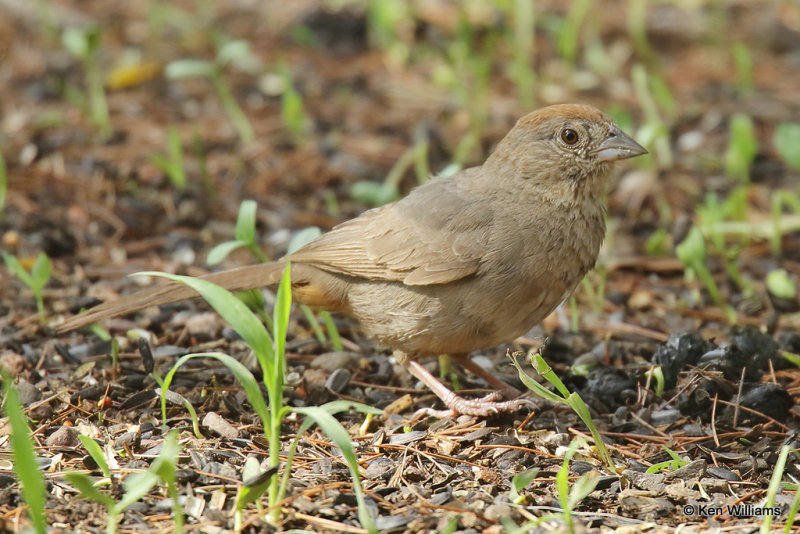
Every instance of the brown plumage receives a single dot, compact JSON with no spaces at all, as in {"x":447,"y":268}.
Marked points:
{"x":461,"y":263}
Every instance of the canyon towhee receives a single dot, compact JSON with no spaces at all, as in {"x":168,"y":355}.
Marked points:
{"x":462,"y":263}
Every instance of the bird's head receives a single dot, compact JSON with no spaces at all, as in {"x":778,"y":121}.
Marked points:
{"x":563,"y":151}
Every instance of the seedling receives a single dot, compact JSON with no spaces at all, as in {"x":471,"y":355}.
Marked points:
{"x":656,"y":374}
{"x":96,"y":453}
{"x":36,"y":279}
{"x":465,"y":73}
{"x":199,"y":150}
{"x":781,"y":199}
{"x":743,"y":63}
{"x":676,"y":462}
{"x":235,"y":53}
{"x":84,"y":44}
{"x":270,"y":353}
{"x":172,"y":163}
{"x":780,"y":284}
{"x":570,"y":29}
{"x":774,"y":487}
{"x":292,"y":112}
{"x":637,"y":29}
{"x":3,"y":184}
{"x":742,"y":148}
{"x":136,"y":485}
{"x":790,"y":515}
{"x":712,"y":215}
{"x":524,"y":17}
{"x":570,"y":494}
{"x":564,"y":396}
{"x":245,"y":236}
{"x":594,"y":285}
{"x":25,"y":465}
{"x":519,"y":482}
{"x":692,"y":253}
{"x":655,"y":132}
{"x":787,"y":143}
{"x":659,"y":243}
{"x":386,"y":21}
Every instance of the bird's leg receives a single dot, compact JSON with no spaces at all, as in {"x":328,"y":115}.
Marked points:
{"x":509,"y":391}
{"x":458,"y":405}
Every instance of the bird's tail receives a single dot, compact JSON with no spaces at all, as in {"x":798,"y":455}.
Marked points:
{"x":239,"y":279}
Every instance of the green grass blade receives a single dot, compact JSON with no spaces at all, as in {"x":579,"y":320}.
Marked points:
{"x":774,"y":487}
{"x":15,"y":267}
{"x":96,"y":452}
{"x":790,"y":515}
{"x":585,"y":484}
{"x":336,"y":432}
{"x":302,"y":238}
{"x":138,"y":485}
{"x":231,"y":309}
{"x":280,"y":318}
{"x":573,"y":400}
{"x":312,"y":320}
{"x":246,"y":221}
{"x":519,"y":482}
{"x":333,"y":332}
{"x":40,"y":272}
{"x":240,"y":373}
{"x":221,"y":251}
{"x":25,"y":465}
{"x":535,"y":386}
{"x":3,"y":183}
{"x":85,"y":485}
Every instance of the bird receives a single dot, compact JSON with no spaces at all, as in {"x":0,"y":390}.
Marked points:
{"x":463,"y":262}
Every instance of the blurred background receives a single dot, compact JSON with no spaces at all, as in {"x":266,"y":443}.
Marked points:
{"x":131,"y":132}
{"x":184,"y":136}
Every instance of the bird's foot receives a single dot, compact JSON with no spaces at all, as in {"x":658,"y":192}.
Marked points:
{"x":456,"y":405}
{"x":482,"y":407}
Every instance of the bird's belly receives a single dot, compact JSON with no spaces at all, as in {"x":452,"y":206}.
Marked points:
{"x":451,"y":318}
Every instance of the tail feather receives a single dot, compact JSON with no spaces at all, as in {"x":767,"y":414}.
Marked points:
{"x":239,"y":279}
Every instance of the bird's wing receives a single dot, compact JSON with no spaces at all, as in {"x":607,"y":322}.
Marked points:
{"x":434,"y":235}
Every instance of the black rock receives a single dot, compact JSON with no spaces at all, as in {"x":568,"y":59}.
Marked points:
{"x":679,"y":351}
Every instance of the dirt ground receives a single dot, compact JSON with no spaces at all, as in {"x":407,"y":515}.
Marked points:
{"x":337,"y":93}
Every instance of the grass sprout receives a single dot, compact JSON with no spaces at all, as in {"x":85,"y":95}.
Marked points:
{"x":692,"y":253}
{"x":25,"y":465}
{"x":171,"y":164}
{"x":136,"y":485}
{"x":36,"y":279}
{"x":523,"y":42}
{"x":564,"y":396}
{"x":270,"y":353}
{"x":570,"y":493}
{"x":787,"y":142}
{"x":234,"y":52}
{"x":3,"y":184}
{"x":84,"y":44}
{"x":742,"y":148}
{"x":774,"y":487}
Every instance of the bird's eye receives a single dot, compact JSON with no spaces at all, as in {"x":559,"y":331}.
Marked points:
{"x":569,"y":136}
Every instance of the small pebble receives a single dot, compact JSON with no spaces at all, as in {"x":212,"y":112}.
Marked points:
{"x":65,"y":436}
{"x":27,"y":393}
{"x":338,"y":380}
{"x":216,"y":423}
{"x":331,"y":361}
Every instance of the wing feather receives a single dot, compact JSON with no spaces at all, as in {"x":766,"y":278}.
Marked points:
{"x":406,"y":241}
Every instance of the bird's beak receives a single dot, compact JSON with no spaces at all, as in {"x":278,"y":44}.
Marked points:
{"x":618,"y":145}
